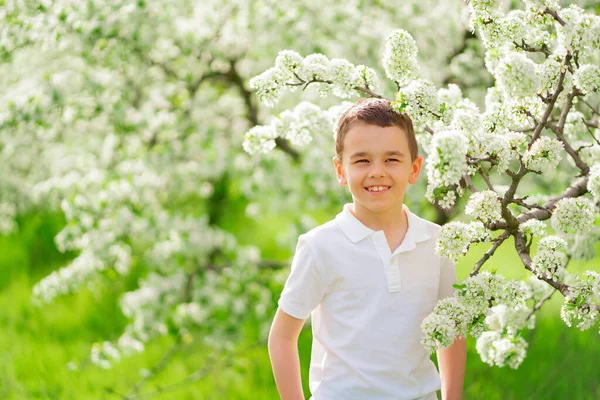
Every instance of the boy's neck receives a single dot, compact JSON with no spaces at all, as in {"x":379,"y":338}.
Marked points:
{"x":391,"y":220}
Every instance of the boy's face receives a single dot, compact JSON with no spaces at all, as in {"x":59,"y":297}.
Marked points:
{"x":376,"y":158}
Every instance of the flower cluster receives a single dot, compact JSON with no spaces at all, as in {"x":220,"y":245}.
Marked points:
{"x":510,"y":320}
{"x":583,"y":301}
{"x":481,"y":289}
{"x":550,"y":259}
{"x":593,"y":185}
{"x":533,"y":227}
{"x":536,"y":289}
{"x":573,"y":214}
{"x":68,"y":278}
{"x":466,"y":312}
{"x":400,"y":57}
{"x":449,"y":320}
{"x":544,"y":154}
{"x":447,"y":161}
{"x":501,"y":350}
{"x":485,"y":206}
{"x":455,"y":238}
{"x":587,"y":78}
{"x":517,"y":75}
{"x":297,"y":126}
{"x":104,"y":354}
{"x":418,"y":99}
{"x":260,"y":139}
{"x":337,"y":76}
{"x":501,"y":345}
{"x":7,"y":215}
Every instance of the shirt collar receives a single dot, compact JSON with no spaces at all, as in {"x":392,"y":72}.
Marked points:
{"x":357,"y":231}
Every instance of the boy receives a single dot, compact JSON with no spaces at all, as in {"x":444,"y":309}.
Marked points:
{"x":368,"y":278}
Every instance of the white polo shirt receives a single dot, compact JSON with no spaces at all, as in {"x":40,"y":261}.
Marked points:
{"x":367,"y":305}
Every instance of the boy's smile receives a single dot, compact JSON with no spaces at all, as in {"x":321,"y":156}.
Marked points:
{"x":377,"y":167}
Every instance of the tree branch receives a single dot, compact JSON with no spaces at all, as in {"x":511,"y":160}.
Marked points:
{"x":550,"y":106}
{"x":555,"y":15}
{"x":523,"y":252}
{"x":252,"y":110}
{"x":575,"y":190}
{"x":302,"y":82}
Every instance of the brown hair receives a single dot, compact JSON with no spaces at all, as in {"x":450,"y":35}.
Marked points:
{"x":375,"y":112}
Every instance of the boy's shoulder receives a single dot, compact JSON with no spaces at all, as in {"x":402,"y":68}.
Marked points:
{"x":326,"y":231}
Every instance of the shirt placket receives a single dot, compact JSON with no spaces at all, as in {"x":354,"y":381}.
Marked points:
{"x":392,"y":268}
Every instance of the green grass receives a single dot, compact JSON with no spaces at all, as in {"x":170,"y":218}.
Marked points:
{"x":37,"y":343}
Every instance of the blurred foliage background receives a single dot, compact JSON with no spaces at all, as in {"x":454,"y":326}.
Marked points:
{"x":37,"y":344}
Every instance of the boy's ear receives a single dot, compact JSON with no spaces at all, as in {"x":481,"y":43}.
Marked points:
{"x":339,"y":171}
{"x":416,"y":170}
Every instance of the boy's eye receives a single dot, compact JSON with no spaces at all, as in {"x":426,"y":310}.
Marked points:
{"x":393,"y":159}
{"x":358,"y":161}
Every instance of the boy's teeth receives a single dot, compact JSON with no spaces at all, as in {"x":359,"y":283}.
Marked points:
{"x":377,"y":188}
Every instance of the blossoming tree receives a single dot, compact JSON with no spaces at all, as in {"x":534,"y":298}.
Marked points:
{"x":129,"y":118}
{"x":541,"y":115}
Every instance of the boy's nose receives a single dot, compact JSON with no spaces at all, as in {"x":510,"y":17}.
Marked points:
{"x":376,"y":171}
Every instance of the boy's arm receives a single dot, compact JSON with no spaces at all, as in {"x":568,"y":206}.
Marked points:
{"x":283,"y":351}
{"x":452,"y":363}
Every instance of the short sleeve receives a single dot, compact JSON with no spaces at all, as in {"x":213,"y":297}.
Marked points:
{"x":447,"y":278}
{"x":305,"y":286}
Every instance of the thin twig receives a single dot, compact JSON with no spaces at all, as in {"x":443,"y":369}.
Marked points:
{"x":524,"y":46}
{"x":540,"y":303}
{"x":357,"y":88}
{"x":497,"y":242}
{"x":210,"y":364}
{"x":486,"y":178}
{"x":594,"y":110}
{"x":162,"y":364}
{"x":469,"y":183}
{"x":521,"y":202}
{"x":559,"y":129}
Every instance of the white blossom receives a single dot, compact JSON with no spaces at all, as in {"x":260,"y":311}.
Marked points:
{"x":550,"y":258}
{"x":260,"y":139}
{"x":268,"y":85}
{"x":593,"y":185}
{"x":583,"y":301}
{"x":509,"y":320}
{"x":455,"y":237}
{"x":316,"y":67}
{"x":289,"y":63}
{"x":544,"y":154}
{"x":533,"y":227}
{"x":418,"y":99}
{"x":449,"y":320}
{"x":400,"y":57}
{"x":587,"y":78}
{"x":517,"y":75}
{"x":485,"y":206}
{"x":501,"y":350}
{"x":573,"y":214}
{"x":447,"y":162}
{"x":536,"y":289}
{"x":104,"y":354}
